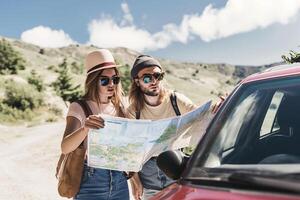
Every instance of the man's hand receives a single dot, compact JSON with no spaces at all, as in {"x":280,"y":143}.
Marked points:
{"x":137,"y":187}
{"x":217,"y":105}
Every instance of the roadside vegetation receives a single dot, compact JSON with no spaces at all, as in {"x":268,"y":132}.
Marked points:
{"x":23,"y":96}
{"x":293,"y":57}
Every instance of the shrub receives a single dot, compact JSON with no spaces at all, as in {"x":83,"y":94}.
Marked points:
{"x":55,"y":110}
{"x":10,"y":114}
{"x":22,"y":97}
{"x":10,"y":60}
{"x":168,"y":72}
{"x":52,"y":68}
{"x":188,"y":150}
{"x":21,"y":102}
{"x":36,"y":81}
{"x":42,"y":51}
{"x":52,"y":119}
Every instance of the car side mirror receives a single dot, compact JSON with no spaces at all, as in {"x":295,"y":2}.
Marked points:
{"x":172,"y":163}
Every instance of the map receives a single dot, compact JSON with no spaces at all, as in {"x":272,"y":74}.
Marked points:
{"x":126,"y":144}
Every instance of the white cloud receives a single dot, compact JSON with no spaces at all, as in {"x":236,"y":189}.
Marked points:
{"x":46,"y":37}
{"x":127,"y":18}
{"x":240,"y":16}
{"x":237,"y":16}
{"x":105,"y":32}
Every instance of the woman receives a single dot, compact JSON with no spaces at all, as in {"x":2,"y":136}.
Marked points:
{"x":103,"y":95}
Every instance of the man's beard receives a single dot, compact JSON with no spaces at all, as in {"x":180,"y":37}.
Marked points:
{"x":150,"y":92}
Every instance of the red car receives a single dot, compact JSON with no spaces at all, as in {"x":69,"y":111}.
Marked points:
{"x":251,"y":149}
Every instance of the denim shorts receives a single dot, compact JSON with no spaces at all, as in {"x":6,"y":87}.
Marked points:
{"x":98,"y":184}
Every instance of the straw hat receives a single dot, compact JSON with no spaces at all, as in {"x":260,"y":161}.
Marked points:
{"x":98,"y":60}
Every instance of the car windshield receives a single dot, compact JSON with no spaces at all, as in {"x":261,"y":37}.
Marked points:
{"x":259,"y":129}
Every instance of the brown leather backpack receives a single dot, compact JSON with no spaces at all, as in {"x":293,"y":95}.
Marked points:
{"x":70,"y":166}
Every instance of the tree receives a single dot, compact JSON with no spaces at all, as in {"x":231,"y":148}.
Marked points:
{"x":63,"y":86}
{"x":294,"y":57}
{"x":77,"y":68}
{"x":125,"y":78}
{"x":10,"y":60}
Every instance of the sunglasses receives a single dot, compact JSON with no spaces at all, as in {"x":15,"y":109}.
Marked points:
{"x":104,"y":80}
{"x":148,"y":78}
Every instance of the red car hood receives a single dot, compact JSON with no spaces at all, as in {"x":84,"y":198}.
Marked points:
{"x":181,"y":192}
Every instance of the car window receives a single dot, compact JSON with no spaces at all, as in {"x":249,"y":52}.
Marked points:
{"x":270,"y":124}
{"x":261,"y":122}
{"x":234,"y":124}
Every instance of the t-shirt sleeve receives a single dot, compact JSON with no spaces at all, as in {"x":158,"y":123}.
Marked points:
{"x":184,"y":103}
{"x":76,"y":111}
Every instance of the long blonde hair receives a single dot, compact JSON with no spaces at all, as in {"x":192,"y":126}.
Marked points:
{"x":137,"y":99}
{"x":92,"y":92}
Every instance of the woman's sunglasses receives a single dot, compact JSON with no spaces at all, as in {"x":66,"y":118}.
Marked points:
{"x":104,"y":80}
{"x":148,"y":78}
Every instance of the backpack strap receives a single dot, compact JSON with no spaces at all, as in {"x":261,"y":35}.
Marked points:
{"x":86,"y":108}
{"x":173,"y":99}
{"x":87,"y":111}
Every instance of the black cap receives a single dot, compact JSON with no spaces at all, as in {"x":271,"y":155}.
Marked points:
{"x":142,"y":62}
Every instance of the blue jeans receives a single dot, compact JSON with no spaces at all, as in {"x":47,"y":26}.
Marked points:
{"x":152,"y":177}
{"x":98,"y":184}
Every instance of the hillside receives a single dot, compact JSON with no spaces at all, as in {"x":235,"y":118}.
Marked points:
{"x":198,"y":81}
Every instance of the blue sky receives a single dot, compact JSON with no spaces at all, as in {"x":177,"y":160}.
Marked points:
{"x":247,"y":32}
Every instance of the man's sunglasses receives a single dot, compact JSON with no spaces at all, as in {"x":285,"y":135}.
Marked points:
{"x":104,"y":80}
{"x":148,"y":78}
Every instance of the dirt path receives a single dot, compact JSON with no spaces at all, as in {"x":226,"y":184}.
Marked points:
{"x":28,"y":159}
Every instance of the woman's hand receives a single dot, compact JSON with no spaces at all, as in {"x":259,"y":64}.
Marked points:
{"x":137,"y":187}
{"x":94,"y":122}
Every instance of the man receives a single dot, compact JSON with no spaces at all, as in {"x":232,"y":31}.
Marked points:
{"x":150,"y":100}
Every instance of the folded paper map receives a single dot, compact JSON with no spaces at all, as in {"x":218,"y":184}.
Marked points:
{"x":126,"y":144}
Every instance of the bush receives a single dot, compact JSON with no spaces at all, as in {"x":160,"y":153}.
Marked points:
{"x":188,"y":150}
{"x":22,"y":97}
{"x":52,"y":119}
{"x":42,"y":51}
{"x":36,"y":81}
{"x":10,"y":114}
{"x":52,"y":68}
{"x":10,"y":60}
{"x":55,"y":110}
